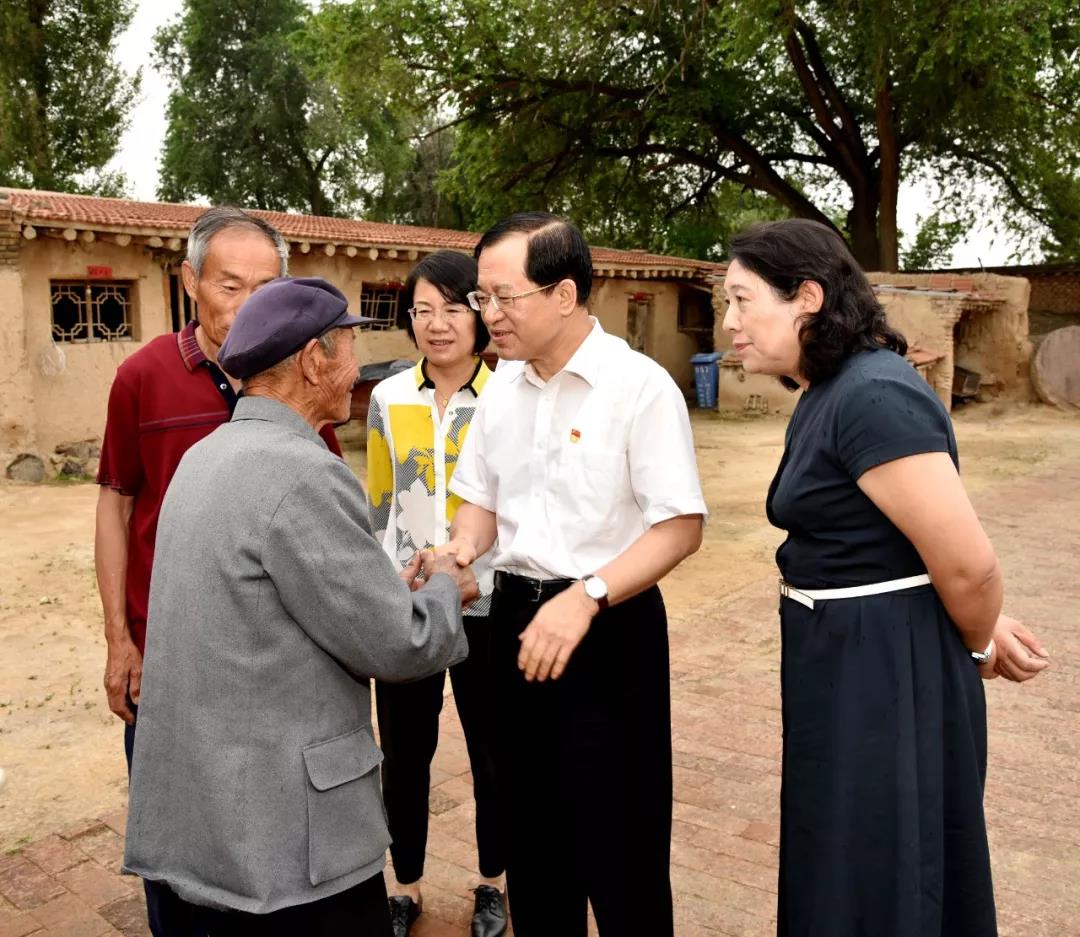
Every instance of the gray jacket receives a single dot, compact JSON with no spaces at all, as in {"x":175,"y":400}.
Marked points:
{"x":255,"y":782}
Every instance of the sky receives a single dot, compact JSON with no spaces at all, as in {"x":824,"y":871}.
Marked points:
{"x":140,"y":146}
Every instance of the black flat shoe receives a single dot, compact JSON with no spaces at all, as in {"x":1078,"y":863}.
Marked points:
{"x":403,"y":914}
{"x":489,"y":913}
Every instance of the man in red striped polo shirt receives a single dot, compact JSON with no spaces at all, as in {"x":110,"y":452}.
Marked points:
{"x":166,"y":397}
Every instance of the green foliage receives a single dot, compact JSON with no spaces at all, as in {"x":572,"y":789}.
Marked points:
{"x":253,"y":119}
{"x":633,"y":114}
{"x":63,"y":99}
{"x":933,"y":242}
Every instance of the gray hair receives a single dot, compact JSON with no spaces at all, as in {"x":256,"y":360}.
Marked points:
{"x":327,"y":342}
{"x":214,"y":220}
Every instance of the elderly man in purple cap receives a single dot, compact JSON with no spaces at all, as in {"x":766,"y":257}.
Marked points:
{"x":255,"y":785}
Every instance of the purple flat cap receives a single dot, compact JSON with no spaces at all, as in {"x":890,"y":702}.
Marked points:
{"x":279,"y":319}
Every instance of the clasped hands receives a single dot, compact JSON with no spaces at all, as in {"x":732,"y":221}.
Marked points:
{"x":556,"y":630}
{"x":427,"y":563}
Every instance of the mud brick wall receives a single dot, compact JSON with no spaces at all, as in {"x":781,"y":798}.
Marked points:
{"x":9,"y":236}
{"x":979,"y":322}
{"x":1057,"y":291}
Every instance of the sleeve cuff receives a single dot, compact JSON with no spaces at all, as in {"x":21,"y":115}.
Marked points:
{"x":666,"y":510}
{"x":467,"y":493}
{"x":895,"y":449}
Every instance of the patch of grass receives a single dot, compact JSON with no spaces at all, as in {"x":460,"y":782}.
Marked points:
{"x":62,"y":480}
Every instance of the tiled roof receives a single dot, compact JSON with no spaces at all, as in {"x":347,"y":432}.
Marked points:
{"x":56,"y":208}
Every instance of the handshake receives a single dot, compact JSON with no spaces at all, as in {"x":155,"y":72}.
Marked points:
{"x":454,"y":559}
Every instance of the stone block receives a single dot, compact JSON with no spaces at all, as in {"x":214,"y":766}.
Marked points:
{"x":128,"y":915}
{"x":26,"y":467}
{"x":53,"y":854}
{"x":16,"y":924}
{"x":104,"y":847}
{"x":76,"y":458}
{"x":26,"y":886}
{"x":94,"y":885}
{"x":69,"y":916}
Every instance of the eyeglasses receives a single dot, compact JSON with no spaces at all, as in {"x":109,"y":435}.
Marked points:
{"x":504,"y":301}
{"x":425,"y":315}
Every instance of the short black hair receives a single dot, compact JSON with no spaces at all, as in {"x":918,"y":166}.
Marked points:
{"x":453,"y":274}
{"x":556,"y":250}
{"x":786,"y":254}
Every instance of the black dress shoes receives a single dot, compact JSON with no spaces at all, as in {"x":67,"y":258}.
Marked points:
{"x":403,"y":914}
{"x":489,"y":913}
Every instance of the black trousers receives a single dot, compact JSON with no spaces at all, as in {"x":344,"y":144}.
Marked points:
{"x":409,"y":733}
{"x":584,"y":767}
{"x":360,"y":911}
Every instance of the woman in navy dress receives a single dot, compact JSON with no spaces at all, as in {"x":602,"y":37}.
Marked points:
{"x":882,"y":828}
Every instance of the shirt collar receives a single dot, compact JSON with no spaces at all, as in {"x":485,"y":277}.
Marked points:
{"x":474,"y":384}
{"x":188,"y":344}
{"x":273,"y":411}
{"x":585,"y":362}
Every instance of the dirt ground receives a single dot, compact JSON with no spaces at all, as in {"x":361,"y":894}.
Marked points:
{"x":61,"y":748}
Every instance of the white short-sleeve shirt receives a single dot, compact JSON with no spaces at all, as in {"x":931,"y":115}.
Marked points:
{"x":578,"y":467}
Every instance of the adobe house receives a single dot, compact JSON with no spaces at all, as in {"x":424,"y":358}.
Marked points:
{"x":84,"y":281}
{"x":971,"y":328}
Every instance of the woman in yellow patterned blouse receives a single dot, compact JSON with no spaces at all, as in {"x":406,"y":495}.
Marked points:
{"x":417,"y":423}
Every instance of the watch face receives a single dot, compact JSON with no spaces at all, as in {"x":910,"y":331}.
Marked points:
{"x":595,"y":588}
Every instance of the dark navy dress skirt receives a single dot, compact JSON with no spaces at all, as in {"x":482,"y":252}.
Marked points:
{"x":882,"y":827}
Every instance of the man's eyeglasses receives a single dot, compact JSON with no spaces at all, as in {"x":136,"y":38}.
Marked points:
{"x":425,"y":315}
{"x":503,"y":301}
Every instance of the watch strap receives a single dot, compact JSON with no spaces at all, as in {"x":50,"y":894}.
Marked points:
{"x":601,"y":601}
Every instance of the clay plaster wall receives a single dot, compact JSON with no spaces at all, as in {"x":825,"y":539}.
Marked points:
{"x":42,"y":410}
{"x":987,"y":334}
{"x":17,"y":421}
{"x":70,"y":405}
{"x":664,"y":343}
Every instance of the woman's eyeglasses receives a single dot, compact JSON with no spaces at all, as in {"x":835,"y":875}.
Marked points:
{"x":425,"y":315}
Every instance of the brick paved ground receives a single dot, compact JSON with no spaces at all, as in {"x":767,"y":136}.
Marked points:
{"x":725,"y":688}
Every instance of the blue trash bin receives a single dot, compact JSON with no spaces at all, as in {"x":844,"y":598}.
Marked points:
{"x":706,"y":377}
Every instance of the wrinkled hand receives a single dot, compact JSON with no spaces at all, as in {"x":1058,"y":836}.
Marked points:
{"x":123,"y":677}
{"x":461,"y":549}
{"x":1018,"y":655}
{"x":409,"y":575}
{"x":554,"y":633}
{"x":450,"y":564}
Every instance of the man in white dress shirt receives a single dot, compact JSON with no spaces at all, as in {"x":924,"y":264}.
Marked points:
{"x":580,"y":461}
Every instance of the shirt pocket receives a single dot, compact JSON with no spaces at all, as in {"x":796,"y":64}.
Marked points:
{"x":346,"y":821}
{"x":595,"y":479}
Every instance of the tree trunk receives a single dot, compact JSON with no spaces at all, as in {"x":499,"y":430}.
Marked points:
{"x":889,"y":174}
{"x":863,"y":229}
{"x":316,"y":197}
{"x":39,"y":159}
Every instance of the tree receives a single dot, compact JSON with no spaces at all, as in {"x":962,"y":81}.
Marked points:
{"x":252,"y":121}
{"x":64,"y":101}
{"x":823,"y":106}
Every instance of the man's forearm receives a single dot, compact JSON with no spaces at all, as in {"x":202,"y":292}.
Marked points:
{"x":475,"y":525}
{"x":111,"y":558}
{"x":651,"y":557}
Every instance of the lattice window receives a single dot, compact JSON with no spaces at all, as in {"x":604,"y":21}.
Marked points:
{"x":380,"y":302}
{"x":91,"y":311}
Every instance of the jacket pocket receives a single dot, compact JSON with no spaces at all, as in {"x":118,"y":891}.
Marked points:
{"x":346,"y":821}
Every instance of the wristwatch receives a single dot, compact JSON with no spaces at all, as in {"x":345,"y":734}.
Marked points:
{"x":596,"y":589}
{"x":977,"y":657}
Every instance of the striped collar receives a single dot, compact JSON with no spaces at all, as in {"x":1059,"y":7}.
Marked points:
{"x":474,"y":384}
{"x":188,"y":344}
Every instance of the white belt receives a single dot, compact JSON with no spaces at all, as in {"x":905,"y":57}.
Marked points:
{"x":807,"y":597}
